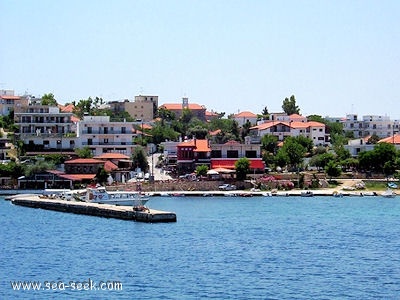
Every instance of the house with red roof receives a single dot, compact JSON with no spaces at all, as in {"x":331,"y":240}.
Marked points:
{"x":242,"y":117}
{"x":192,"y":153}
{"x":296,"y":126}
{"x":197,"y":110}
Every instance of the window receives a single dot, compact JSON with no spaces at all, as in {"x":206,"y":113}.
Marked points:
{"x":90,"y":142}
{"x":216,"y":153}
{"x":251,"y":154}
{"x":89,"y":130}
{"x":232,"y":154}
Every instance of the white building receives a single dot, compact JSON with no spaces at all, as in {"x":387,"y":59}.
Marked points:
{"x":381,"y":126}
{"x":103,"y":136}
{"x":44,"y":128}
{"x":244,"y":117}
{"x":295,"y":125}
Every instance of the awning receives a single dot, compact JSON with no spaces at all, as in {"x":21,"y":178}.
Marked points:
{"x":230,"y":164}
{"x":212,"y":172}
{"x":223,"y":170}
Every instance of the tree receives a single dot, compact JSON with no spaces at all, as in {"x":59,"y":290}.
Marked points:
{"x":242,"y":166}
{"x":101,"y":175}
{"x":201,"y":170}
{"x":294,"y":150}
{"x":281,"y":158}
{"x":245,"y":129}
{"x":384,"y":152}
{"x":84,"y":152}
{"x":198,"y":132}
{"x":389,"y":168}
{"x":341,"y":152}
{"x":265,"y":114}
{"x":89,"y":106}
{"x":161,"y":133}
{"x":289,"y":106}
{"x":316,"y":118}
{"x":269,"y":143}
{"x":374,"y":139}
{"x":332,"y":170}
{"x":165,"y":115}
{"x":38,"y":167}
{"x":321,"y":160}
{"x":139,"y":159}
{"x":48,"y":99}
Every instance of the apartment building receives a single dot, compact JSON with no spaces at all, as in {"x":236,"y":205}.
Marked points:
{"x":369,"y":125}
{"x":143,"y":108}
{"x":45,"y":128}
{"x":103,"y":136}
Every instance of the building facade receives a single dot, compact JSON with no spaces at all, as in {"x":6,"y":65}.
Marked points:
{"x":45,"y":128}
{"x":103,"y":136}
{"x":369,"y":125}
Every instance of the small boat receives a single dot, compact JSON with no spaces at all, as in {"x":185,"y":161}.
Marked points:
{"x":392,"y":185}
{"x":337,"y":194}
{"x":369,"y":194}
{"x":266,"y":194}
{"x":307,"y":194}
{"x":389,"y":193}
{"x":128,"y":198}
{"x":245,"y":194}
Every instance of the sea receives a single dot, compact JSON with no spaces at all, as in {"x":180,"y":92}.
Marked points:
{"x":219,"y":248}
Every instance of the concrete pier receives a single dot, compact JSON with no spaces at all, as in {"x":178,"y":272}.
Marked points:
{"x":97,"y":209}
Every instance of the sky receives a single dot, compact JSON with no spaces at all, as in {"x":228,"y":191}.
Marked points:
{"x":336,"y":57}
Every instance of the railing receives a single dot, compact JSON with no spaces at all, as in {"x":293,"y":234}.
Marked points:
{"x":108,"y":144}
{"x":47,"y":135}
{"x":113,"y":132}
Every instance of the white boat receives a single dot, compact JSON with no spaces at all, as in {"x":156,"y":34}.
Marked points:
{"x":128,"y":198}
{"x":388,"y":194}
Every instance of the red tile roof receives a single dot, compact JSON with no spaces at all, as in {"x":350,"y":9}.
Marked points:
{"x":85,"y":161}
{"x":211,"y":114}
{"x":394,"y":139}
{"x":112,"y":155}
{"x":6,"y":97}
{"x":198,"y":145}
{"x":78,"y":177}
{"x":109,"y":166}
{"x":245,"y":114}
{"x":66,"y":109}
{"x":178,"y":106}
{"x":75,"y":119}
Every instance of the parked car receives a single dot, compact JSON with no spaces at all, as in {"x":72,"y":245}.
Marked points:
{"x":227,"y":187}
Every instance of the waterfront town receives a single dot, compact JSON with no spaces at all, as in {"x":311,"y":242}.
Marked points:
{"x":45,"y":144}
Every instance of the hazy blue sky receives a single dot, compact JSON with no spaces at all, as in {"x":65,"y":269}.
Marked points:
{"x":336,"y":57}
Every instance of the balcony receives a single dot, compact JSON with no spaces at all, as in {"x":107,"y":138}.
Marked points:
{"x":109,"y":132}
{"x":108,"y":144}
{"x":46,"y":135}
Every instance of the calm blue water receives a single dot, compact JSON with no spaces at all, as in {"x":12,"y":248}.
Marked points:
{"x":220,"y":248}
